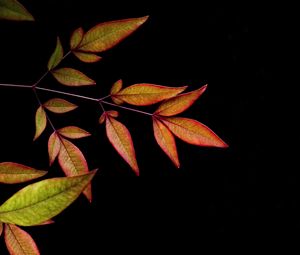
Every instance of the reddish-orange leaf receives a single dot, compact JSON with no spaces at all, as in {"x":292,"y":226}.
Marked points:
{"x":72,"y":77}
{"x":53,"y":147}
{"x":116,"y":87}
{"x":58,"y":105}
{"x":40,"y":122}
{"x":121,"y":140}
{"x":179,"y":103}
{"x":76,"y":38}
{"x":113,"y":114}
{"x":19,"y":242}
{"x":73,"y":163}
{"x":1,"y":228}
{"x":73,"y":132}
{"x":102,"y":118}
{"x":48,"y":222}
{"x":87,"y":57}
{"x":147,"y":94}
{"x":11,"y":173}
{"x":106,"y":35}
{"x":193,"y":132}
{"x":165,"y":140}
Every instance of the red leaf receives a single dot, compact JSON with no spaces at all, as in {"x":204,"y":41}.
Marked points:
{"x":73,"y":132}
{"x":53,"y":147}
{"x":165,"y":140}
{"x":179,"y":103}
{"x":40,"y":122}
{"x":146,"y":94}
{"x":193,"y":132}
{"x":72,"y":77}
{"x":113,"y":114}
{"x":76,"y":38}
{"x":19,"y":242}
{"x":121,"y":140}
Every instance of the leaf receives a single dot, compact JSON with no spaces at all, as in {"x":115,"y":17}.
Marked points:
{"x":48,"y":222}
{"x":58,"y":105}
{"x":87,"y":57}
{"x":57,"y":55}
{"x":73,"y":132}
{"x":13,"y":10}
{"x":147,"y":94}
{"x":193,"y":132}
{"x":113,"y":114}
{"x":72,"y":77}
{"x":179,"y":103}
{"x":166,"y":141}
{"x":41,"y":201}
{"x":1,"y":228}
{"x":40,"y":122}
{"x":106,"y":35}
{"x":19,"y":242}
{"x":116,"y":87}
{"x":121,"y":140}
{"x":73,"y":163}
{"x":53,"y":147}
{"x":11,"y":173}
{"x":76,"y":38}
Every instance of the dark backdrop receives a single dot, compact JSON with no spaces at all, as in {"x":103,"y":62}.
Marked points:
{"x":230,"y":48}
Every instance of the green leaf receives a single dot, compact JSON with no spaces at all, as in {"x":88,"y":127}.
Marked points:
{"x":72,"y":77}
{"x":73,"y":132}
{"x":108,"y":34}
{"x":87,"y":57}
{"x":43,"y":200}
{"x":58,"y":105}
{"x":57,"y":55}
{"x":76,"y":38}
{"x":40,"y":122}
{"x":11,"y":173}
{"x":13,"y":10}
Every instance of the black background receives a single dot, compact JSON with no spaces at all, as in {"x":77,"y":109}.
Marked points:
{"x":230,"y":48}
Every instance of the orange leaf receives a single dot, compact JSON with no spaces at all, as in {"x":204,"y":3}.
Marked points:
{"x":72,"y":77}
{"x":1,"y":228}
{"x":76,"y":38}
{"x":165,"y":140}
{"x":40,"y":122}
{"x":121,"y":140}
{"x":179,"y":103}
{"x":147,"y":94}
{"x":19,"y":242}
{"x":113,"y":114}
{"x":193,"y":132}
{"x":53,"y":147}
{"x":106,"y":35}
{"x":116,"y":87}
{"x":58,"y":105}
{"x":48,"y":222}
{"x":87,"y":57}
{"x":73,"y":163}
{"x":73,"y":132}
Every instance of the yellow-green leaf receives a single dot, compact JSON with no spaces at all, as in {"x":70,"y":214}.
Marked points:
{"x":106,"y":35}
{"x":53,"y":147}
{"x":41,"y":201}
{"x":40,"y":122}
{"x":147,"y":94}
{"x":19,"y":242}
{"x":11,"y":173}
{"x":87,"y":57}
{"x":73,"y":163}
{"x":76,"y":38}
{"x":73,"y":132}
{"x":13,"y":10}
{"x":56,"y":56}
{"x":58,"y":105}
{"x":179,"y":103}
{"x":72,"y":77}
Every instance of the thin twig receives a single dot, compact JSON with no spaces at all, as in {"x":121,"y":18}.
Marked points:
{"x":15,"y":85}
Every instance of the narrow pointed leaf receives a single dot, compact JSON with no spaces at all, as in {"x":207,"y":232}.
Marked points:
{"x":19,"y":242}
{"x":13,"y":10}
{"x":11,"y":173}
{"x":58,"y":105}
{"x":102,"y":118}
{"x":73,"y":163}
{"x":121,"y":140}
{"x":166,"y":141}
{"x":87,"y":57}
{"x":113,"y":114}
{"x":57,"y":55}
{"x":193,"y":132}
{"x":1,"y":228}
{"x":72,"y":77}
{"x":116,"y":87}
{"x":179,"y":103}
{"x":47,"y":222}
{"x":53,"y":147}
{"x":41,"y":201}
{"x":147,"y":94}
{"x":73,"y":132}
{"x":40,"y":122}
{"x":76,"y":38}
{"x":106,"y":35}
